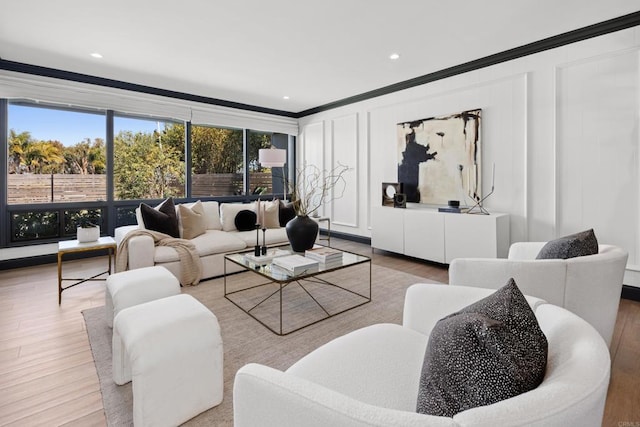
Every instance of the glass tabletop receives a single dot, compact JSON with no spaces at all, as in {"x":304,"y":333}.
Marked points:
{"x":264,"y":265}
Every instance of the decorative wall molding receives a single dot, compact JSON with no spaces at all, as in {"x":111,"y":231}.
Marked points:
{"x":505,"y":137}
{"x":595,"y":30}
{"x":597,"y":141}
{"x":344,"y":142}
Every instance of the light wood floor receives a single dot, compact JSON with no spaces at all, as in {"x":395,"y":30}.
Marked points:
{"x":47,"y":375}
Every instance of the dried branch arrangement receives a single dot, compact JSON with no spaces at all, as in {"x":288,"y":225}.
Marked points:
{"x":314,"y":188}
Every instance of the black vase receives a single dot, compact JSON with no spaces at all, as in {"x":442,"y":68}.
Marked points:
{"x":302,"y":232}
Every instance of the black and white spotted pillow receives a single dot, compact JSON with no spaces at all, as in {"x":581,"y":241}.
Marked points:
{"x":574,"y":245}
{"x":489,"y":351}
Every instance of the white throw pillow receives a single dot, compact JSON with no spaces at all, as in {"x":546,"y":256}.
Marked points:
{"x":212,"y":215}
{"x":139,"y":219}
{"x":228,"y":212}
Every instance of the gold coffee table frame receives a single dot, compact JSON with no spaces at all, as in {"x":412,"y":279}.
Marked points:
{"x":73,"y":246}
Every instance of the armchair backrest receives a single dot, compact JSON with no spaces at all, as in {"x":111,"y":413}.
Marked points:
{"x":588,"y":286}
{"x":594,"y":285}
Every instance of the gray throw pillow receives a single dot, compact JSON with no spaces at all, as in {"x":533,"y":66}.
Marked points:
{"x":489,"y":351}
{"x":574,"y":245}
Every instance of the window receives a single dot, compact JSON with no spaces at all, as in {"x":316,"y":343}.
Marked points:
{"x":148,"y":159}
{"x":265,"y":179}
{"x":72,"y":219}
{"x":55,"y":155}
{"x":217,"y":161}
{"x":34,"y":225}
{"x":58,"y":167}
{"x":260,"y":177}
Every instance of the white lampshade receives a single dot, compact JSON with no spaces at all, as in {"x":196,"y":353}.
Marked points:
{"x":272,"y":157}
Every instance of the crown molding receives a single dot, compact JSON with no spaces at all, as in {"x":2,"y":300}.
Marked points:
{"x":595,"y":30}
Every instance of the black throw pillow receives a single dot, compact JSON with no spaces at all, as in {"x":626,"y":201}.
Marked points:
{"x":285,"y":213}
{"x":489,"y":351}
{"x":162,"y":219}
{"x":245,"y":220}
{"x":574,"y":245}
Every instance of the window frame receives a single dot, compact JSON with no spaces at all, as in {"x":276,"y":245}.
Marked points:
{"x":110,"y":206}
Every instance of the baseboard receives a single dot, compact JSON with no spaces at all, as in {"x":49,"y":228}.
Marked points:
{"x":33,"y":261}
{"x":8,"y":264}
{"x":346,"y":236}
{"x":631,"y":293}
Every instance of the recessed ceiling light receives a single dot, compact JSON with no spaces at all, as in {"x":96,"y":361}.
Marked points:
{"x":285,"y":97}
{"x":394,"y":56}
{"x":96,"y":55}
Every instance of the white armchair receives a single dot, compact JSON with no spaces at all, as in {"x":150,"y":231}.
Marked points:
{"x":370,"y":376}
{"x":588,"y":286}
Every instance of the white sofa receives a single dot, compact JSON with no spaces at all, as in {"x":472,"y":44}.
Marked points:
{"x":220,"y":238}
{"x":370,"y":377}
{"x":589,"y":286}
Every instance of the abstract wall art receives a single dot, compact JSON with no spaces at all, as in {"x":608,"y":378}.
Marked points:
{"x":439,"y":158}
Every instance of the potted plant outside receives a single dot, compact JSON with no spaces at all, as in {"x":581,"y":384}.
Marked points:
{"x":88,"y":229}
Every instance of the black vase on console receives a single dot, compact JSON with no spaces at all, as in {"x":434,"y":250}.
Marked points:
{"x":302,"y":232}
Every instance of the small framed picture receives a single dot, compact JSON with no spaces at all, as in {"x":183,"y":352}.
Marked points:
{"x":389,"y":190}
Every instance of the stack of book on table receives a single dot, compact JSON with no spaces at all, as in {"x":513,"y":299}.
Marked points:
{"x":295,"y":264}
{"x":327,"y":257}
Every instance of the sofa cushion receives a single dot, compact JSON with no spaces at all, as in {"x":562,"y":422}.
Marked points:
{"x":574,"y":245}
{"x":228,"y":212}
{"x":286,"y":213}
{"x":192,"y":220}
{"x":210,"y":243}
{"x":272,"y":236}
{"x":489,"y":351}
{"x":162,"y":218}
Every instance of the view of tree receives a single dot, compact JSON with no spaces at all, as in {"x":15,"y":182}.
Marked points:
{"x":28,"y":155}
{"x":45,"y":157}
{"x":216,"y":150}
{"x":146,"y":165}
{"x":18,"y":146}
{"x":86,"y":157}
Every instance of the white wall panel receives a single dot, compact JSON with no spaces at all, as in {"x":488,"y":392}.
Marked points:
{"x":345,"y":152}
{"x":597,"y":146}
{"x":313,"y":146}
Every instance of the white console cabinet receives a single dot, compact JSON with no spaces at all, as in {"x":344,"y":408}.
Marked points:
{"x":425,"y":233}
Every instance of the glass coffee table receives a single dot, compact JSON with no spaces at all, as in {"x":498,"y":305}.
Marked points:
{"x":285,"y":302}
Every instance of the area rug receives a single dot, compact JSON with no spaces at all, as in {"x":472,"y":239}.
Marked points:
{"x":245,"y":340}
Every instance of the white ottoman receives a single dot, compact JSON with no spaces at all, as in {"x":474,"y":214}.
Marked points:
{"x":134,"y":287}
{"x":171,"y":349}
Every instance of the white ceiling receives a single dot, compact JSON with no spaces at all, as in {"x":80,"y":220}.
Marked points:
{"x":257,"y":51}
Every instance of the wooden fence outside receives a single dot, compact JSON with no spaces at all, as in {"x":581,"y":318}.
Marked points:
{"x":37,"y":188}
{"x":40,"y":188}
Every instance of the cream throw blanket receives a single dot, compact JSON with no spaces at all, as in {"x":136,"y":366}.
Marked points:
{"x":190,"y":263}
